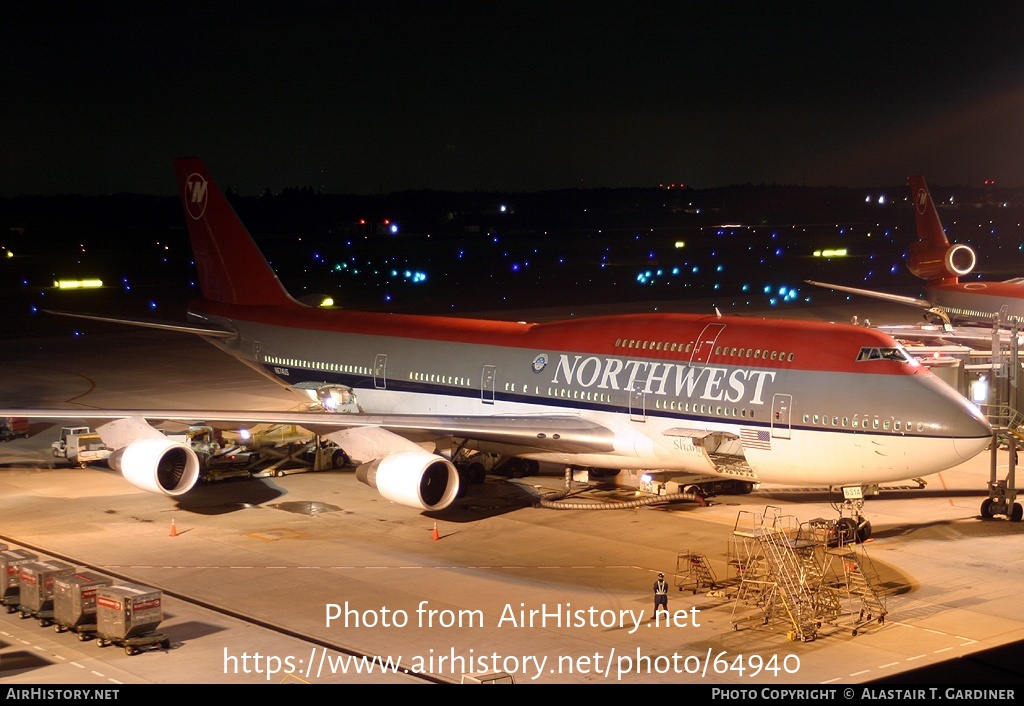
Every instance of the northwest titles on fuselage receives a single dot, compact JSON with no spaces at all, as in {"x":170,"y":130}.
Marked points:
{"x":707,"y":382}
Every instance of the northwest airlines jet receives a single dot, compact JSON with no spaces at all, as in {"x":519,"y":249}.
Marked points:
{"x":790,"y":402}
{"x":941,"y":264}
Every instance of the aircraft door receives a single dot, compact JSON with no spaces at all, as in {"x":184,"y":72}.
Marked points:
{"x":487,"y":384}
{"x":705,"y":344}
{"x":380,"y":367}
{"x":637,"y":410}
{"x":782,"y":406}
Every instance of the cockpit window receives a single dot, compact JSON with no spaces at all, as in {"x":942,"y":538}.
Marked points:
{"x":897,"y":354}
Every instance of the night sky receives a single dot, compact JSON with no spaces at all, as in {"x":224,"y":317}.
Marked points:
{"x":374,"y":97}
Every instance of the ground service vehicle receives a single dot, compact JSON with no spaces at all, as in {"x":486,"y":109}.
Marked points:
{"x":80,"y":446}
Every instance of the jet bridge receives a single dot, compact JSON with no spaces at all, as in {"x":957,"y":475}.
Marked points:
{"x":995,"y":387}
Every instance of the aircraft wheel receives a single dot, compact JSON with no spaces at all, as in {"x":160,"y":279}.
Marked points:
{"x":864,"y":532}
{"x":846,"y":531}
{"x":695,"y":490}
{"x":476,"y":473}
{"x":1017,"y":513}
{"x":986,"y":508}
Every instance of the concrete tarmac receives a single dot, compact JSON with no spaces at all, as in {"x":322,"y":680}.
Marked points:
{"x":551,"y":596}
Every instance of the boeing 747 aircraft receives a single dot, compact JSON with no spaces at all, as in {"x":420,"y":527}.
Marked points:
{"x":941,"y":264}
{"x":792,"y":402}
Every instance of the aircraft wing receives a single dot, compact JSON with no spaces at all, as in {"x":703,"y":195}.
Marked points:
{"x":895,"y":298}
{"x":197,"y":329}
{"x":564,"y":434}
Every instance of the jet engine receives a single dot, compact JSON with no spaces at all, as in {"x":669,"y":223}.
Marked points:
{"x":157,"y":465}
{"x":938,"y":262}
{"x":414,"y":479}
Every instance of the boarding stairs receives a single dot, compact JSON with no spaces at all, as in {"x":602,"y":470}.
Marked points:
{"x":796,"y":583}
{"x":694,"y":572}
{"x":782,"y":575}
{"x":859,"y":584}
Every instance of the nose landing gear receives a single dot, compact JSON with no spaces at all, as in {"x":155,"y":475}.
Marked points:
{"x":852,"y":525}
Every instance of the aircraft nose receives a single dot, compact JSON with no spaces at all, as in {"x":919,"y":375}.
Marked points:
{"x":972,"y":433}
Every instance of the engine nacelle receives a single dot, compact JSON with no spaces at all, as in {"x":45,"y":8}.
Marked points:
{"x":413,"y":479}
{"x":157,"y":466}
{"x":932,"y":262}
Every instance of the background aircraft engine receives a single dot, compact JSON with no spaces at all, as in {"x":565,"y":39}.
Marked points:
{"x":413,"y":479}
{"x":932,"y":262}
{"x":157,"y":466}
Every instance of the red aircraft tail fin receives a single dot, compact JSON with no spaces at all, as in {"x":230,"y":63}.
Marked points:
{"x":929,"y":228}
{"x":231,"y":267}
{"x":932,"y":257}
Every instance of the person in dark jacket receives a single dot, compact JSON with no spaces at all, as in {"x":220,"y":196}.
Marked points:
{"x":660,"y":595}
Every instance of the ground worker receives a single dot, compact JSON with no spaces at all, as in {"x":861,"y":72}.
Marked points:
{"x":660,"y":595}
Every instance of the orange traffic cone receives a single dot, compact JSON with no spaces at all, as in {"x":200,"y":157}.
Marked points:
{"x":434,"y":535}
{"x":174,"y":528}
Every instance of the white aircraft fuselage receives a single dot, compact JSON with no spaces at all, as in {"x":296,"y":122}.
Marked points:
{"x":776,"y":401}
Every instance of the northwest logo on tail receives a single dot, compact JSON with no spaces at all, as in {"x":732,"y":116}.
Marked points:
{"x":922,"y":200}
{"x":195,"y":202}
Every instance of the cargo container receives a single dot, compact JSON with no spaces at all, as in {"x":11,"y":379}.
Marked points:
{"x":36,"y":585}
{"x":74,"y":602}
{"x":10,"y":576}
{"x":127,"y":615}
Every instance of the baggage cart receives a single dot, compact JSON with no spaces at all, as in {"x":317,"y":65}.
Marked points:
{"x":12,"y":428}
{"x":35,"y":584}
{"x":74,"y":603}
{"x":10,"y":576}
{"x":127,"y":615}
